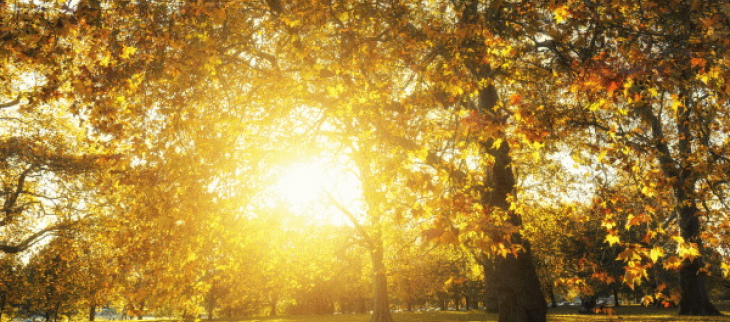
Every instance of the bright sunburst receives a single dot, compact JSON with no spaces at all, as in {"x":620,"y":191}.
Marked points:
{"x":302,"y":184}
{"x":311,"y":188}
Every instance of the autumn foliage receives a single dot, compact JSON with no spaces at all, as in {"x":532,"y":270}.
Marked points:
{"x":496,"y":155}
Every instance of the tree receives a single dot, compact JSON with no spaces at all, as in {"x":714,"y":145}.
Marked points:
{"x":28,"y":167}
{"x":53,"y":289}
{"x":470,"y":49}
{"x":668,"y":79}
{"x":10,"y":282}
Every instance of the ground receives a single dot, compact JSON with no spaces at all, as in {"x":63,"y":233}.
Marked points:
{"x":565,"y":314}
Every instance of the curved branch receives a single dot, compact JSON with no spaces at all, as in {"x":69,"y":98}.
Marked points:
{"x":30,"y":240}
{"x":12,"y":103}
{"x":353,"y":219}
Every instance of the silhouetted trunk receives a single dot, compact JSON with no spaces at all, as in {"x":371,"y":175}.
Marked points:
{"x":694,"y":298}
{"x":3,"y":302}
{"x":518,"y":287}
{"x":551,"y":292}
{"x":92,"y":311}
{"x":616,"y":302}
{"x":520,"y":299}
{"x":491,"y":304}
{"x":381,"y":309}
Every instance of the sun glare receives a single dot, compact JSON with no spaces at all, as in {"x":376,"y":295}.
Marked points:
{"x":302,"y":184}
{"x":307,"y":188}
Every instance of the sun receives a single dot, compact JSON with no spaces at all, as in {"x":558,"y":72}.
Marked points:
{"x":302,"y":184}
{"x":310,"y":189}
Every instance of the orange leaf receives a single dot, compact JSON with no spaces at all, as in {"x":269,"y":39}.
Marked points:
{"x":613,"y":87}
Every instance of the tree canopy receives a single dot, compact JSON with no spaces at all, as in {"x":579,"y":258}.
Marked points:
{"x":500,"y":152}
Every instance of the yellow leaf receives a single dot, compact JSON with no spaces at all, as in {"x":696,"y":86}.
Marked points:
{"x":536,"y":156}
{"x":128,"y":52}
{"x":561,"y":13}
{"x":612,"y":239}
{"x":629,"y":254}
{"x":656,"y":253}
{"x":676,"y":104}
{"x":106,"y":60}
{"x":497,"y":144}
{"x":689,"y":251}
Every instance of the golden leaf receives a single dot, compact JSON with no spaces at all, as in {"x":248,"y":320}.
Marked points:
{"x":128,"y":52}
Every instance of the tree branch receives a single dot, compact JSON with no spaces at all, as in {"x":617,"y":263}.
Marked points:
{"x":13,"y":198}
{"x":352,"y":218}
{"x":30,"y":240}
{"x":12,"y":103}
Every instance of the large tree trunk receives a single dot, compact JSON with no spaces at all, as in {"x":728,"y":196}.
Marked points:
{"x":518,"y":287}
{"x":491,"y":304}
{"x":381,"y":311}
{"x":520,"y":298}
{"x":694,"y":300}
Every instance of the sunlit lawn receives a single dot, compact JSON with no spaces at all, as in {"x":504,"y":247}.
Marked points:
{"x":565,"y":314}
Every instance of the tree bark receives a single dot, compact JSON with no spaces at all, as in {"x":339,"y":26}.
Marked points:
{"x":694,"y":300}
{"x":92,"y":311}
{"x":680,"y":169}
{"x":272,"y":305}
{"x":518,"y":287}
{"x":381,"y":309}
{"x":491,"y":303}
{"x":551,"y":290}
{"x":3,"y":302}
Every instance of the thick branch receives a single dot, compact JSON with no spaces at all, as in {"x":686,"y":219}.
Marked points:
{"x":14,"y":102}
{"x":13,"y":198}
{"x":30,"y":240}
{"x":665,"y":156}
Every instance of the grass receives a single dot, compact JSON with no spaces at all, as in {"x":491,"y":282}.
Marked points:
{"x":564,"y":314}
